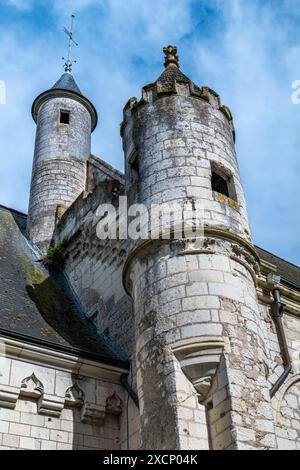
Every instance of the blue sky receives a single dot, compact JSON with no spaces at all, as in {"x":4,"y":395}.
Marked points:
{"x":247,"y":50}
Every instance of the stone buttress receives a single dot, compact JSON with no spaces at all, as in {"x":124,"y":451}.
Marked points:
{"x":201,"y":368}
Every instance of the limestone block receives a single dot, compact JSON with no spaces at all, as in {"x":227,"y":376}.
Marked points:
{"x":59,"y":436}
{"x":29,"y":443}
{"x":39,"y":433}
{"x":9,"y":440}
{"x":204,"y":329}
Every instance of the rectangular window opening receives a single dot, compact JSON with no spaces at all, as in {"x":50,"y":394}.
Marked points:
{"x":64,"y":117}
{"x":222,"y":182}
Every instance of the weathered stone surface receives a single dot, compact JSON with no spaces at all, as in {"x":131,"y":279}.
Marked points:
{"x":59,"y":168}
{"x":204,"y":352}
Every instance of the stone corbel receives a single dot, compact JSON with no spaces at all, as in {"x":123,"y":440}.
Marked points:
{"x":93,"y":414}
{"x":199,"y":359}
{"x":52,"y":405}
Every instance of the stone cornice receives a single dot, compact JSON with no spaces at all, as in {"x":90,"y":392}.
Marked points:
{"x":290,"y":297}
{"x":33,"y":354}
{"x":242,"y":250}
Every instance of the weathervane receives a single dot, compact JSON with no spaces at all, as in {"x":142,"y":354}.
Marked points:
{"x":69,"y":62}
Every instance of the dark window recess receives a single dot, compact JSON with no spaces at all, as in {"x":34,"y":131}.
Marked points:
{"x":64,"y":117}
{"x":134,"y":169}
{"x":219,"y":184}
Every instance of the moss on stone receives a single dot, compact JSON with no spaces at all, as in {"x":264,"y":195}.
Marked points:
{"x":54,"y":254}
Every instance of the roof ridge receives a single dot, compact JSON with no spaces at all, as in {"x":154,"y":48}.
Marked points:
{"x":278,"y":257}
{"x":97,"y":160}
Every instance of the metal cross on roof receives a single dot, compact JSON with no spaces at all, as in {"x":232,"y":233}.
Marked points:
{"x":69,"y":62}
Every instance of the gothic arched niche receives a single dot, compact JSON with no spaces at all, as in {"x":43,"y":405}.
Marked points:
{"x":288,"y":416}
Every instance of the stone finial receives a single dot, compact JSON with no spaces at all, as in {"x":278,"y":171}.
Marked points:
{"x":171,"y":57}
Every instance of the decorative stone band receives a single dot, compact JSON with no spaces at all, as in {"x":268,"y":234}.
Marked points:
{"x":155,"y":91}
{"x":52,"y":405}
{"x":216,"y":240}
{"x":199,"y":359}
{"x":74,"y":397}
{"x":222,"y":241}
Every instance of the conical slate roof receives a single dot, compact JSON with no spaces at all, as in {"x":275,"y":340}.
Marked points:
{"x":67,"y":82}
{"x":171,"y":74}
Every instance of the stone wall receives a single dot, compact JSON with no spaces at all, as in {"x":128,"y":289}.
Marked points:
{"x":286,"y":405}
{"x":49,"y":408}
{"x":186,"y":300}
{"x":194,"y":299}
{"x":179,"y":140}
{"x":192,"y":305}
{"x":94,"y":267}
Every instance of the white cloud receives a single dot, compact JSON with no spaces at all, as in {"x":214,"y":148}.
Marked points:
{"x":253,"y":67}
{"x":248,"y":51}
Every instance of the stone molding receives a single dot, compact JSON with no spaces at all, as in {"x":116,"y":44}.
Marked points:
{"x":216,"y":240}
{"x":14,"y":349}
{"x":52,"y":405}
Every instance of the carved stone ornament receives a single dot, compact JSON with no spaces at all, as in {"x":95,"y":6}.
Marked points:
{"x":52,"y":405}
{"x":31,"y":387}
{"x":171,"y":56}
{"x":74,"y":396}
{"x":114,"y":405}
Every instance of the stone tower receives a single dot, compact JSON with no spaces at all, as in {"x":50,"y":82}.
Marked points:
{"x":65,"y":120}
{"x":201,"y":362}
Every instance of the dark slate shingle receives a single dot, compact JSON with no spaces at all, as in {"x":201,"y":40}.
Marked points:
{"x":67,"y":82}
{"x":289,"y":272}
{"x":38,"y":304}
{"x":171,"y":74}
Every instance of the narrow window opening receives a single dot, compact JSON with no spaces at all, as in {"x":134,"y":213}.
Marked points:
{"x":64,"y":117}
{"x":222,"y":182}
{"x":134,"y":168}
{"x":219,"y":184}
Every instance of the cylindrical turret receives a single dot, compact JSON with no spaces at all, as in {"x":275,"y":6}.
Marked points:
{"x":196,"y":311}
{"x":65,"y":120}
